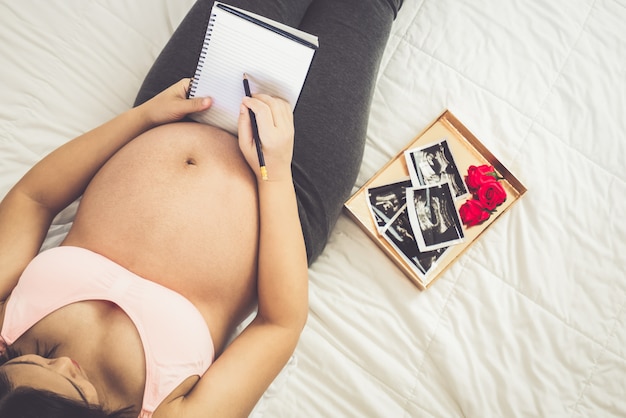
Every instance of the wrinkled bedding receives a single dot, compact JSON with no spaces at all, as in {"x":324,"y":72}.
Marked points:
{"x":531,"y":320}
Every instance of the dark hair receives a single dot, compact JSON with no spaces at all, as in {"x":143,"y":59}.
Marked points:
{"x":24,"y":402}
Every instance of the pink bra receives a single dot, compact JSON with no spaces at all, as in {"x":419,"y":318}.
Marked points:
{"x":176,"y":340}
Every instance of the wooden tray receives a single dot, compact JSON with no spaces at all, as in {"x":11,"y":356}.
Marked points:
{"x":467,"y":150}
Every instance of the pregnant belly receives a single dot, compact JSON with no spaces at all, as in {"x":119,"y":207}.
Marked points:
{"x":178,"y":206}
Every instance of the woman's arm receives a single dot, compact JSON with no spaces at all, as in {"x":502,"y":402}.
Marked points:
{"x":61,"y":177}
{"x":235,"y":382}
{"x":282,"y":270}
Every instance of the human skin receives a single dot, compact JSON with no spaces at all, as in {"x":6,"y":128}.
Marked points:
{"x":159,"y":190}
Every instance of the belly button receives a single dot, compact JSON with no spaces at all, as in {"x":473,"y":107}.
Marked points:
{"x":190,"y":161}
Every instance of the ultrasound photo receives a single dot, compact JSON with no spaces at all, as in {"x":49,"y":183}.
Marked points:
{"x":434,"y":164}
{"x":400,"y":235}
{"x":386,"y":201}
{"x":434,"y":217}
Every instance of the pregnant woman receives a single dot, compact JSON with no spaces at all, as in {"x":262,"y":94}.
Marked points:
{"x":177,"y":238}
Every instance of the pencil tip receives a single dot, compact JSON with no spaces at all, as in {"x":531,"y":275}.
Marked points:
{"x":245,"y":76}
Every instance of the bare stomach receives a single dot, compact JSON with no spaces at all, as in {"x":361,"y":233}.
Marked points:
{"x":178,"y":206}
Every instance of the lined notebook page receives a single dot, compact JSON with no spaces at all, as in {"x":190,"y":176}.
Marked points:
{"x":275,"y":64}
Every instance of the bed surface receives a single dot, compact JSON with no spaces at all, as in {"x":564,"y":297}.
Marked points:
{"x":531,"y":320}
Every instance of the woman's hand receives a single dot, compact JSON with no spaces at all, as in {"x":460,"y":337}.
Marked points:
{"x":172,"y":104}
{"x":275,"y":122}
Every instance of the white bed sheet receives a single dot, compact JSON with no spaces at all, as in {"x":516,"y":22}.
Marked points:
{"x":531,"y":321}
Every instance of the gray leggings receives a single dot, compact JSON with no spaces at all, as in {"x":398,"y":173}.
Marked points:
{"x":332,"y":112}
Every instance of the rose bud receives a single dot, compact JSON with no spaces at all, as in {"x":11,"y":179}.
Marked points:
{"x":491,"y":195}
{"x":473,"y":213}
{"x":477,"y":176}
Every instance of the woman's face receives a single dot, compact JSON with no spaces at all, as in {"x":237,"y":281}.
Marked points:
{"x":60,"y":375}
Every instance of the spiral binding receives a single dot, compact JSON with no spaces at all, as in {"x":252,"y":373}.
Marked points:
{"x":205,"y":45}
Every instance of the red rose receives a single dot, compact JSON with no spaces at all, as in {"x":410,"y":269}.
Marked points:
{"x":491,"y":195}
{"x":478,"y":176}
{"x":473,"y":212}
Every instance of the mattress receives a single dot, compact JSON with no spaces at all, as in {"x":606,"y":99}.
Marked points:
{"x":530,"y":321}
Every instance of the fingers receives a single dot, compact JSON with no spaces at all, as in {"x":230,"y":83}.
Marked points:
{"x":274,"y":120}
{"x":270,"y":111}
{"x":196,"y":104}
{"x":185,"y":83}
{"x":199,"y":104}
{"x":244,"y":125}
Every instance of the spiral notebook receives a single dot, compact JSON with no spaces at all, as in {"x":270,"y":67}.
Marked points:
{"x":275,"y":57}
